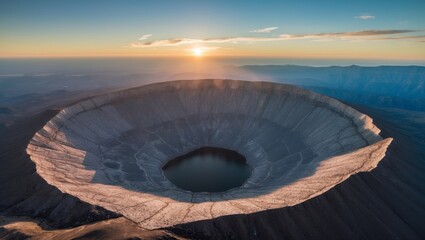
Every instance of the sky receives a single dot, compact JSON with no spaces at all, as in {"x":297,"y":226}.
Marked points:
{"x":387,"y":30}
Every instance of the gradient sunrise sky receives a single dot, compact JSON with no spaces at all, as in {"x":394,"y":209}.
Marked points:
{"x":388,"y":30}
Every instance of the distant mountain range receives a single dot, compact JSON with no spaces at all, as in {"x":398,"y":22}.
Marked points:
{"x":384,"y":86}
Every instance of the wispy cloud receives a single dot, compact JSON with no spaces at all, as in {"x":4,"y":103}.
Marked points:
{"x":358,"y":35}
{"x":264,"y":30}
{"x":347,"y":35}
{"x":421,"y":38}
{"x":144,"y":37}
{"x":185,"y":41}
{"x":365,"y":16}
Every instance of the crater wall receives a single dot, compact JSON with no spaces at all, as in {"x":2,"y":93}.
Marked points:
{"x":109,"y":150}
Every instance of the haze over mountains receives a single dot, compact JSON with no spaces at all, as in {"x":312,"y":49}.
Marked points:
{"x":384,"y":86}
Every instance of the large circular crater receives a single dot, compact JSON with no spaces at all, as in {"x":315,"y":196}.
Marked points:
{"x":110,"y":150}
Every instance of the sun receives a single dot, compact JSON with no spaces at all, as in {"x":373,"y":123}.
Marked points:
{"x":197,"y":52}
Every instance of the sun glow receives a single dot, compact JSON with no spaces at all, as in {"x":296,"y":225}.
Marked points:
{"x":197,"y":52}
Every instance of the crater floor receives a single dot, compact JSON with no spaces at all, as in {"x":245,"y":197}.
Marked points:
{"x":109,"y":150}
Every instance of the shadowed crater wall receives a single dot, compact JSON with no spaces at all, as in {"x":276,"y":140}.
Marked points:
{"x":109,"y":150}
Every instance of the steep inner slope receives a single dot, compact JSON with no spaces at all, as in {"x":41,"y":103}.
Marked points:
{"x":299,"y":144}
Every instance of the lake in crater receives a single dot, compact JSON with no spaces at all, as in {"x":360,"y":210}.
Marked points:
{"x":208,"y":169}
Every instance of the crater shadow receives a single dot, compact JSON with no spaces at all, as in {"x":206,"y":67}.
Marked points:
{"x":274,"y":156}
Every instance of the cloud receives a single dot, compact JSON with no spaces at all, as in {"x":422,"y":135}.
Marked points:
{"x":357,"y":35}
{"x":186,"y":41}
{"x":264,"y":30}
{"x":144,"y":37}
{"x":346,"y":35}
{"x":365,"y":16}
{"x":418,"y":37}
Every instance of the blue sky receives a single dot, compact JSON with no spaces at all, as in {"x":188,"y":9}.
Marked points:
{"x":66,"y":27}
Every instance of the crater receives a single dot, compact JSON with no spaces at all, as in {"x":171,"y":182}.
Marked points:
{"x":208,"y":169}
{"x":109,"y":150}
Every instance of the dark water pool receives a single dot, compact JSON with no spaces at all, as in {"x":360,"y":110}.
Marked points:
{"x":208,"y":169}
